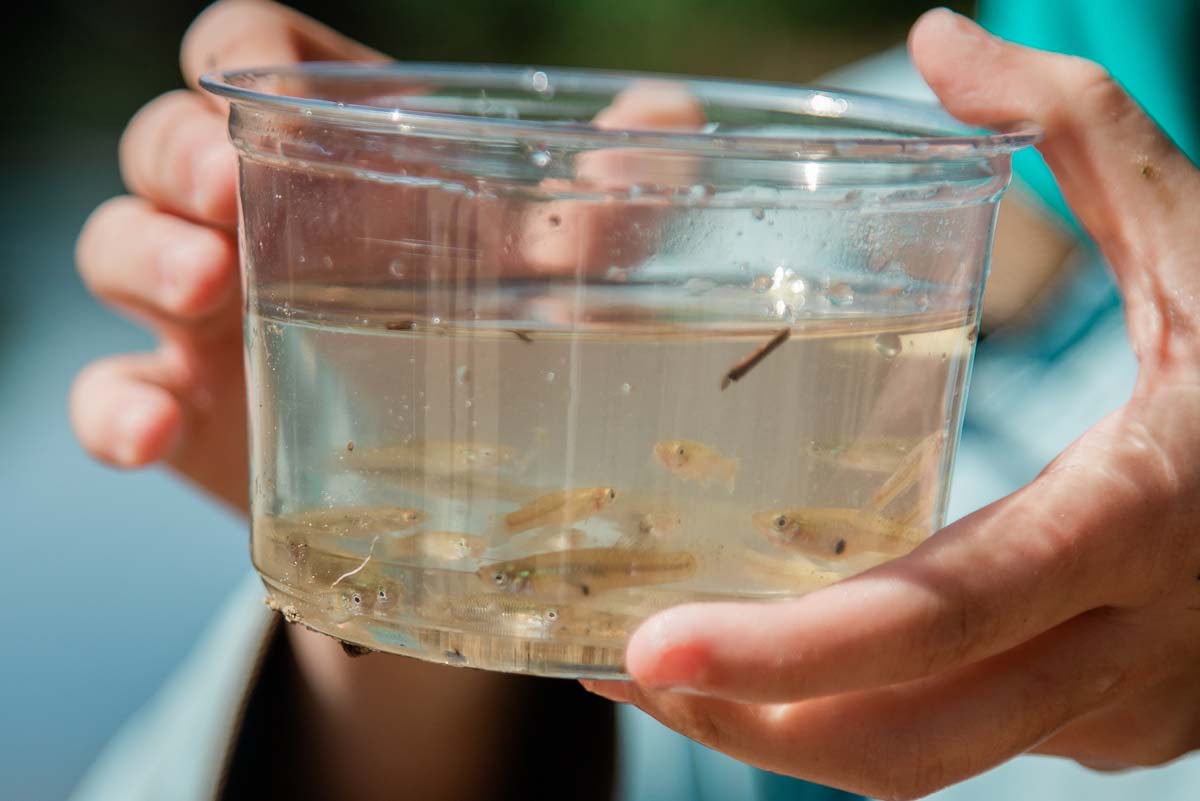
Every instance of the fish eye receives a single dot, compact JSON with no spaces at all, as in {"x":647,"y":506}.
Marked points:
{"x":356,"y":599}
{"x":781,"y":522}
{"x":552,"y":615}
{"x":680,"y":451}
{"x":499,"y":579}
{"x":383,"y":594}
{"x":611,"y":494}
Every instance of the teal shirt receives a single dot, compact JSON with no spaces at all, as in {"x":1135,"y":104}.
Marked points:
{"x":1149,"y":46}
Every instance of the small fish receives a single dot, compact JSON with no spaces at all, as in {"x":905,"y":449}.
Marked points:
{"x":787,"y":571}
{"x":919,"y":463}
{"x":868,"y":455}
{"x":549,"y":540}
{"x":587,"y":570}
{"x":835,"y":533}
{"x":696,"y":462}
{"x":560,"y":508}
{"x":359,"y":520}
{"x":445,"y":545}
{"x":368,"y":592}
{"x":487,"y":609}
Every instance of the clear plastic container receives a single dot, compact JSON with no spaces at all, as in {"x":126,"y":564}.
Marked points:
{"x":534,"y":354}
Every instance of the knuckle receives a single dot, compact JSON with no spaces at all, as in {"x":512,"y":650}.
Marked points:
{"x":961,"y":623}
{"x":1092,"y":87}
{"x":145,"y":138}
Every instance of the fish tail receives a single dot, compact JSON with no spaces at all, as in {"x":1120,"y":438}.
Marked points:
{"x":730,"y":470}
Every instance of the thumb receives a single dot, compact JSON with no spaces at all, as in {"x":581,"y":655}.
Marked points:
{"x":1124,"y":179}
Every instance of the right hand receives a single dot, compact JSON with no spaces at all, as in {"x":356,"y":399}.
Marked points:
{"x":166,"y":255}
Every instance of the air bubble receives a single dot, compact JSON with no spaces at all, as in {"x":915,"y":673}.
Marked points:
{"x":396,"y":268}
{"x":758,"y":213}
{"x":327,"y":261}
{"x":699,"y":192}
{"x":540,"y":158}
{"x":540,"y":82}
{"x":550,"y":377}
{"x":626,"y":389}
{"x":888,"y":345}
{"x":462,"y":375}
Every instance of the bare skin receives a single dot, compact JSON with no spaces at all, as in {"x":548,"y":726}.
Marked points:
{"x":1092,"y":577}
{"x":1064,"y":619}
{"x":166,"y":256}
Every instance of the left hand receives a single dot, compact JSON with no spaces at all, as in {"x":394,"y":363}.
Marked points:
{"x":1064,"y":619}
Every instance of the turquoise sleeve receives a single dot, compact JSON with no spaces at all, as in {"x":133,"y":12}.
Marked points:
{"x":1149,"y":47}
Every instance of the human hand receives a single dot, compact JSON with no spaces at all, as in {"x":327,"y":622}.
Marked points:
{"x":1063,"y":619}
{"x":166,"y":256}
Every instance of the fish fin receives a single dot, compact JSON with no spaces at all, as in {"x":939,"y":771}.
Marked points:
{"x":633,"y":542}
{"x":730,"y":467}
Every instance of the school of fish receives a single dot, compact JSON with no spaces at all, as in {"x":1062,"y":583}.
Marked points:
{"x":539,"y":557}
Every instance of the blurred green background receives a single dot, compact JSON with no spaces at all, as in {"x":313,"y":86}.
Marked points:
{"x":108,"y":578}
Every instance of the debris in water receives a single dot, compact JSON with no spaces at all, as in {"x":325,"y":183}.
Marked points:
{"x":747,"y":364}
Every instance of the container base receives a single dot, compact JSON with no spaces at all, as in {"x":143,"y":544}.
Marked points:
{"x":540,"y":656}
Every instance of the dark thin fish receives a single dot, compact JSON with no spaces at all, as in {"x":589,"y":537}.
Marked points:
{"x":520,"y":334}
{"x":747,"y":364}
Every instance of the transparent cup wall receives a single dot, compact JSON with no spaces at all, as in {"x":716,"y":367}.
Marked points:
{"x":518,"y":381}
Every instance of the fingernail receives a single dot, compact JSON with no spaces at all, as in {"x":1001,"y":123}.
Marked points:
{"x":184,"y":265}
{"x":676,"y":669}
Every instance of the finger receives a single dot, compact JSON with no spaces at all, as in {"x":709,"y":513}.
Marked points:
{"x":567,"y":234}
{"x":992,"y":580}
{"x":121,"y":412}
{"x":1144,"y":729}
{"x":910,"y":740}
{"x":238,"y":34}
{"x":144,"y":260}
{"x":176,"y":152}
{"x":1129,"y":185}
